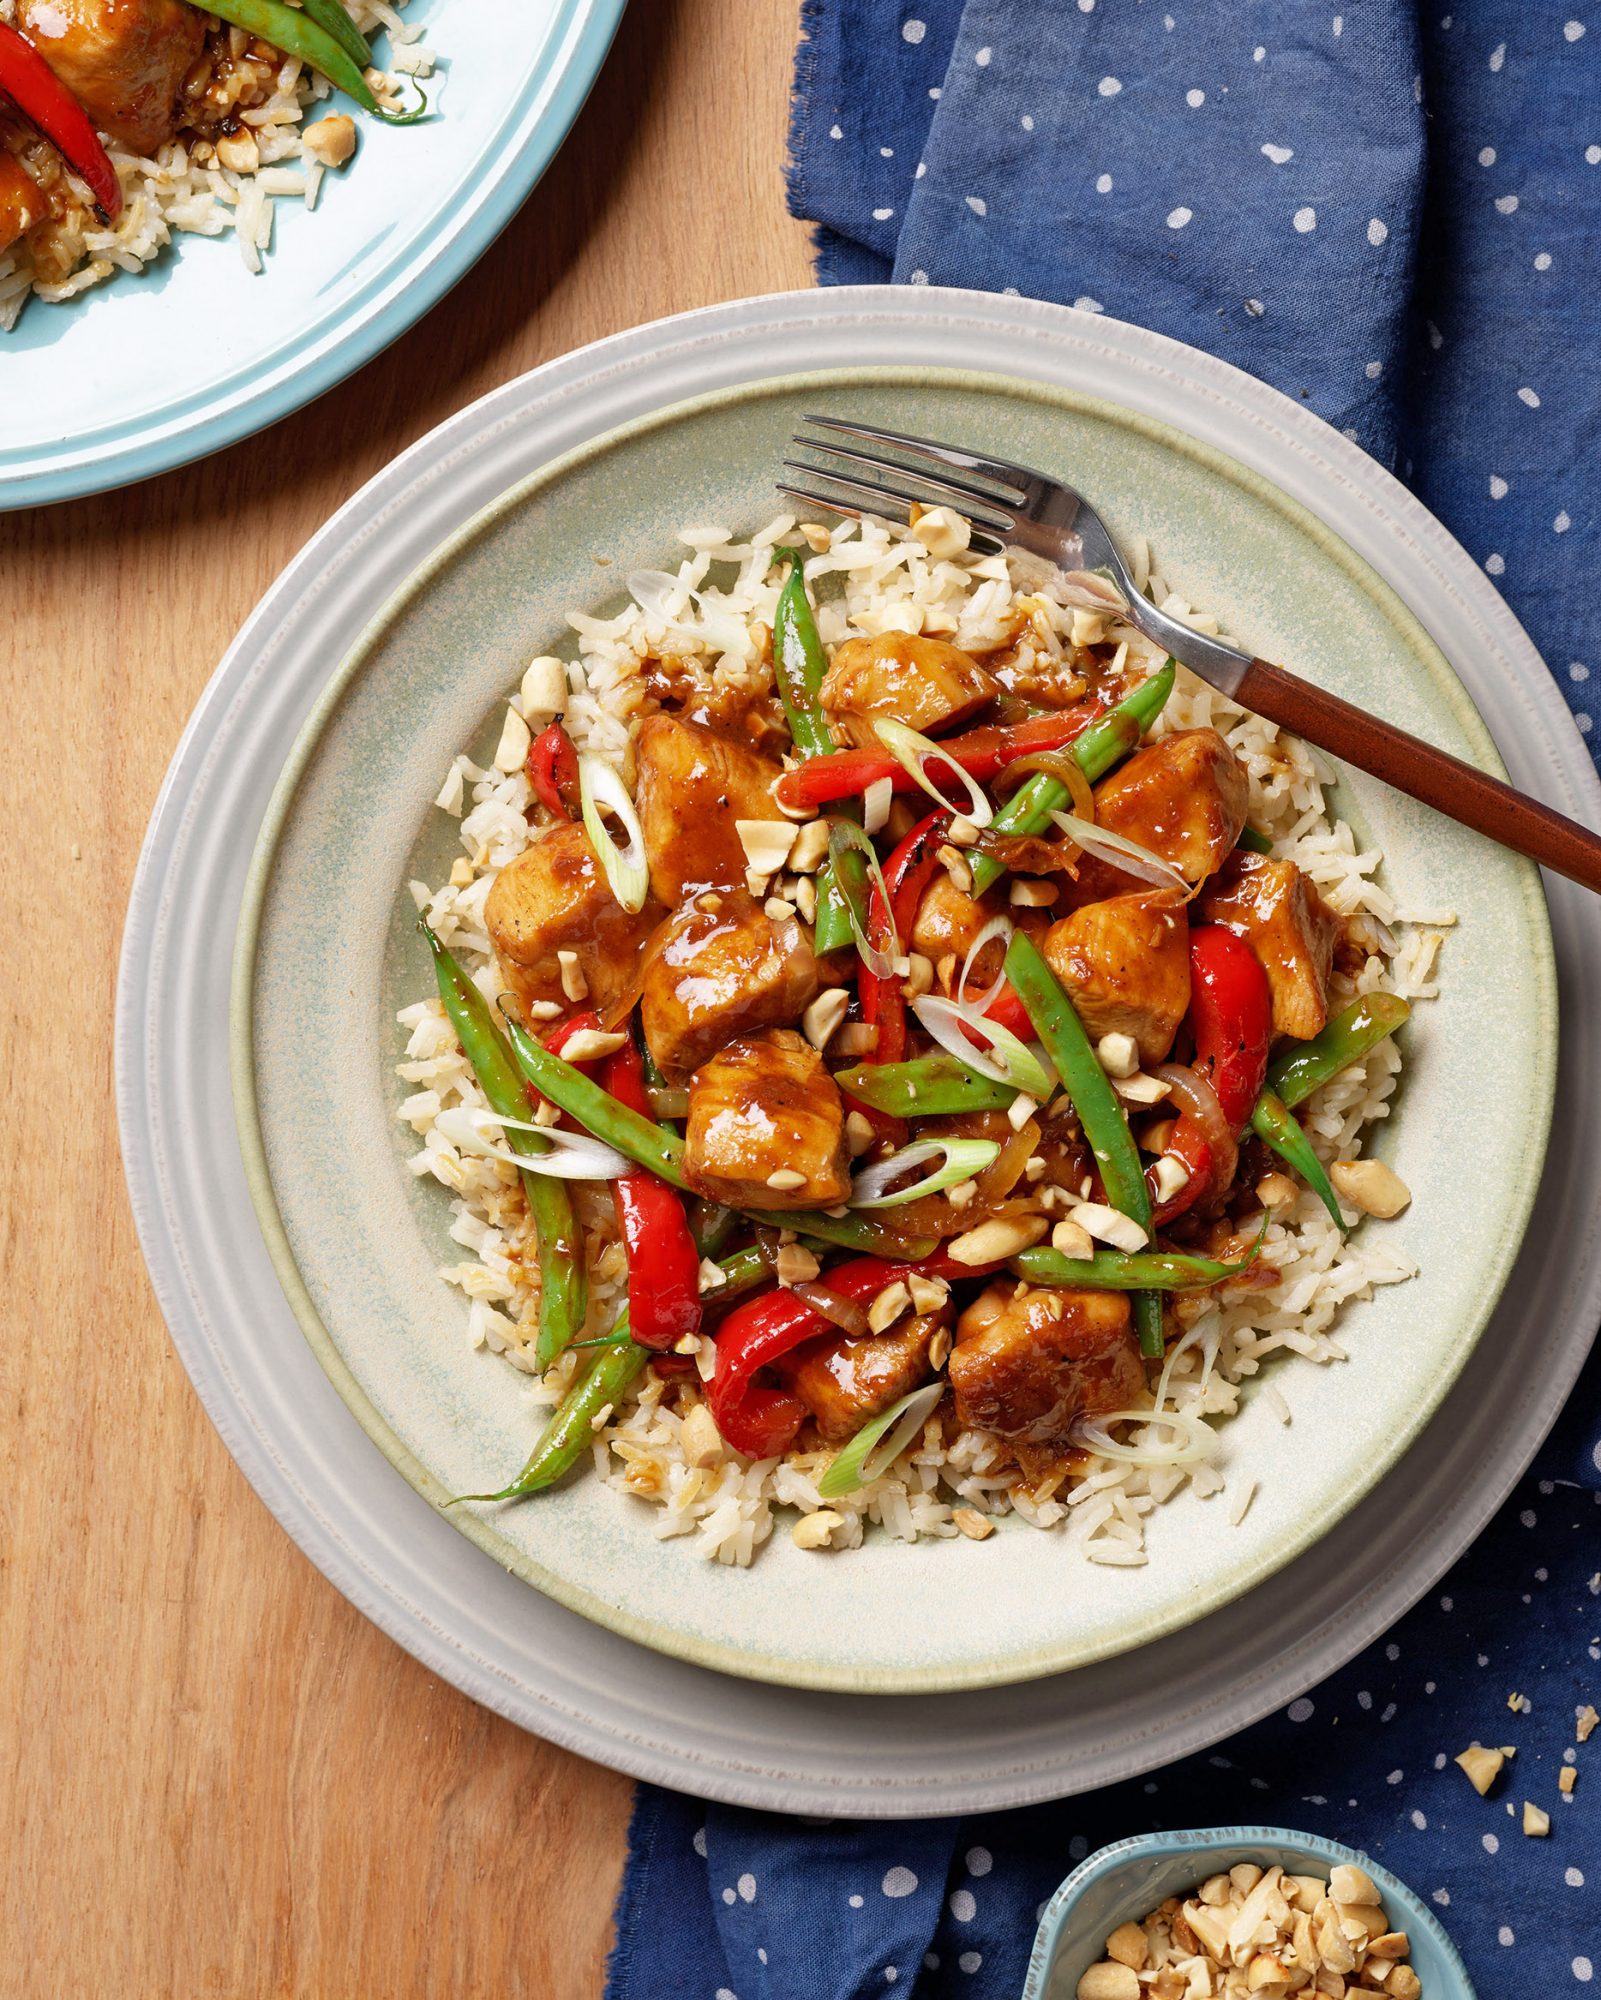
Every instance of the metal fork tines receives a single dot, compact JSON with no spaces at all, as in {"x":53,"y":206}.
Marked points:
{"x":992,"y":508}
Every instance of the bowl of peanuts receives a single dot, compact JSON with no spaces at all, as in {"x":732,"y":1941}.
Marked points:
{"x":1239,"y":1913}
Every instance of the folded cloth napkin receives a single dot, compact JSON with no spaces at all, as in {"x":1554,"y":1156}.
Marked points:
{"x":1391,"y":215}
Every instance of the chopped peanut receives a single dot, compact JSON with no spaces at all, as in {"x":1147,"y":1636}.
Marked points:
{"x":812,"y":1531}
{"x":976,"y":1526}
{"x":1370,"y":1187}
{"x":1482,"y":1766}
{"x":332,"y":141}
{"x":1536,"y":1822}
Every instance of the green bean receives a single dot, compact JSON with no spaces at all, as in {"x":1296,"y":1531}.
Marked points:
{"x":801,"y":664}
{"x":1299,"y":1071}
{"x":1254,"y":842}
{"x":661,"y":1150}
{"x":615,"y":1367}
{"x":563,"y":1280}
{"x":293,"y":31}
{"x":1029,"y":809}
{"x":930,"y":1087}
{"x":711,"y":1225}
{"x":328,"y":14}
{"x":1275,"y":1124}
{"x":1120,"y":1271}
{"x":1099,"y":1113}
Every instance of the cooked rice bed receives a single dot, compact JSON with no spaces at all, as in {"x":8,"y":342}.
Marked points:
{"x":728,"y":1510}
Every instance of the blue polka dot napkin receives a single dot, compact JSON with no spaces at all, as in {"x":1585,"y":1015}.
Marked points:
{"x":1392,"y":214}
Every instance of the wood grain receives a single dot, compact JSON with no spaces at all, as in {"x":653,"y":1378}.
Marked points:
{"x":215,"y":1777}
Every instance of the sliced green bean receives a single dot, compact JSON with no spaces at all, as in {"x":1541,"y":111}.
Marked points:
{"x":1121,"y":1271}
{"x":1105,"y":1128}
{"x":1029,"y":809}
{"x":563,"y":1279}
{"x":1254,"y":842}
{"x":1276,"y":1125}
{"x":929,"y":1087}
{"x":1300,"y":1070}
{"x":329,"y":15}
{"x":297,"y":34}
{"x":801,"y":665}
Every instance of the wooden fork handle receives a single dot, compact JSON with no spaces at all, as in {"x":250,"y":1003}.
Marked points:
{"x":1456,"y":789}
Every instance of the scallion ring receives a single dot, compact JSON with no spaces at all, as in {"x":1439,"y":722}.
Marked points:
{"x":997,"y":927}
{"x":962,"y":1159}
{"x":1127,"y":855}
{"x":912,"y":752}
{"x":1197,"y":1440}
{"x":878,"y":1444}
{"x":1003,"y":1059}
{"x":860,"y":878}
{"x":603,"y":791}
{"x":569,"y":1156}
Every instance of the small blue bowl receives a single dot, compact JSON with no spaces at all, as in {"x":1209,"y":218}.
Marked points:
{"x":1126,"y":1881}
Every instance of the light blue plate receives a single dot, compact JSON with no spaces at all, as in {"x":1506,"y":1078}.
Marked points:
{"x":154,"y":370}
{"x":1125,"y":1881}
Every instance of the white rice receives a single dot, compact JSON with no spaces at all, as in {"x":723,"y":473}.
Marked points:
{"x":707,"y":614}
{"x":171,"y":194}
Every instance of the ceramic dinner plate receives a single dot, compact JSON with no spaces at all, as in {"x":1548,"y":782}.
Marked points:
{"x":379,"y":1539}
{"x":150,"y":371}
{"x":329,"y":951}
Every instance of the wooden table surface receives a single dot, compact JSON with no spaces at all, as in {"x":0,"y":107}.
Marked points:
{"x":215,"y":1776}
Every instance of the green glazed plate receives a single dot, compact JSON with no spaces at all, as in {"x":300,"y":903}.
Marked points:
{"x":328,"y":952}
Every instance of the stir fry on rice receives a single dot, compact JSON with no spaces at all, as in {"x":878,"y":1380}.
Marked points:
{"x":902,"y":1048}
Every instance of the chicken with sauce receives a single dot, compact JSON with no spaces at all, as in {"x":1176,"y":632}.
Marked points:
{"x":815,"y":1106}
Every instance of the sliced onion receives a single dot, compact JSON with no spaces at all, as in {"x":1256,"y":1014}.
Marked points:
{"x":912,"y":752}
{"x":845,"y":838}
{"x":1064,"y":766}
{"x":668,"y":1100}
{"x":1207,"y":1324}
{"x":963,"y":1158}
{"x":844,"y":1313}
{"x":1120,"y":853}
{"x":602,"y":790}
{"x":1089,"y":590}
{"x":1197,"y":1440}
{"x":1008,"y":1060}
{"x":878,"y":1444}
{"x":997,"y":927}
{"x":568,"y":1156}
{"x":1191,"y":1092}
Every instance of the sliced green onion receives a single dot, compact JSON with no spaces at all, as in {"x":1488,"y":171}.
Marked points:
{"x":1128,"y":855}
{"x":865,"y":1458}
{"x":859,"y":876}
{"x":1008,"y":1060}
{"x":1197,"y":1440}
{"x":912,"y":751}
{"x":997,"y":927}
{"x":963,"y":1158}
{"x":602,"y":790}
{"x":569,"y":1156}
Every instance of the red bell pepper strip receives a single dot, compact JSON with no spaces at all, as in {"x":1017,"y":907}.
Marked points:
{"x":907,"y":873}
{"x":552,"y":766}
{"x":980,"y":753}
{"x":1231,"y":1015}
{"x":761,"y":1421}
{"x":42,"y":98}
{"x":663,"y":1263}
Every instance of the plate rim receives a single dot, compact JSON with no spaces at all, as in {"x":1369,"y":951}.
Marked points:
{"x":775,"y":1669}
{"x":150,"y":447}
{"x":543,"y":1670}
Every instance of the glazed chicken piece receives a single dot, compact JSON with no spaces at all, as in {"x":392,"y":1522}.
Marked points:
{"x":1184,"y":798}
{"x":554,"y":898}
{"x":921,"y":682}
{"x":124,"y":60}
{"x":846,"y":1382}
{"x":766,"y":1111}
{"x":721,"y":971}
{"x":693,"y":785}
{"x":1125,"y":963}
{"x":21,"y":202}
{"x":1279,"y":913}
{"x":1029,"y":1360}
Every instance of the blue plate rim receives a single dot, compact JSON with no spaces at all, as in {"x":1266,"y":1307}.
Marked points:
{"x":144,"y":456}
{"x":1203,"y":1838}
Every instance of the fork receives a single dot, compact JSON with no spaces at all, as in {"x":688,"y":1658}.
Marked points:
{"x":1012,"y":506}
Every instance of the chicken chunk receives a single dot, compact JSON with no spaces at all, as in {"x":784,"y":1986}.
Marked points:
{"x":21,"y":202}
{"x":554,"y":898}
{"x":693,"y":786}
{"x":766,"y":1111}
{"x":922,"y":682}
{"x":124,"y":60}
{"x":1029,"y":1361}
{"x":1279,"y":913}
{"x":948,"y":920}
{"x":1184,"y":798}
{"x":846,"y":1382}
{"x":723,"y":971}
{"x":1125,"y":963}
